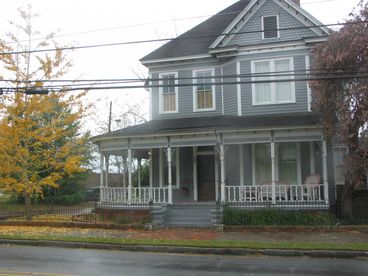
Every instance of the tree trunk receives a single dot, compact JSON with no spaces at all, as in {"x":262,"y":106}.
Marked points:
{"x":27,"y":202}
{"x":347,"y":200}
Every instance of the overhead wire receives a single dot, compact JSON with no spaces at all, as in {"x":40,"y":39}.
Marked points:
{"x":181,"y":37}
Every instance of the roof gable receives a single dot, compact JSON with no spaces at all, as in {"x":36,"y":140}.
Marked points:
{"x":239,"y":25}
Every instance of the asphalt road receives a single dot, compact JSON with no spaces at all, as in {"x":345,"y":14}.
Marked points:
{"x":26,"y":260}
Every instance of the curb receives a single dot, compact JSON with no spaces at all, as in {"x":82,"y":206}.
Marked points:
{"x":192,"y":250}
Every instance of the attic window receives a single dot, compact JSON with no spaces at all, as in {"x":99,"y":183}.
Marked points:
{"x":270,"y":26}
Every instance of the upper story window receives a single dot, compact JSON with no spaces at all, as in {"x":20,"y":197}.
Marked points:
{"x":168,"y":92}
{"x":265,"y":91}
{"x":203,"y":90}
{"x":270,"y":26}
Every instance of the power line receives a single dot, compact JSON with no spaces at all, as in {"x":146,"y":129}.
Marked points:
{"x":312,"y":78}
{"x":182,"y":37}
{"x":288,"y":73}
{"x":156,"y":22}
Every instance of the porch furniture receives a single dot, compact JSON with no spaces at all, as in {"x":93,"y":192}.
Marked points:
{"x":311,"y":187}
{"x":264,"y":191}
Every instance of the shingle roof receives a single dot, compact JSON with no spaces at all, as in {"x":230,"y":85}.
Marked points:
{"x":207,"y":32}
{"x":163,"y":126}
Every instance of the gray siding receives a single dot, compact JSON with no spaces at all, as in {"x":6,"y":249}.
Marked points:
{"x":232,"y":166}
{"x":156,"y":167}
{"x":230,"y":90}
{"x":286,"y":20}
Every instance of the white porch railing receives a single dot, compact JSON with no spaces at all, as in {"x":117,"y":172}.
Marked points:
{"x":142,"y":195}
{"x":283,"y":193}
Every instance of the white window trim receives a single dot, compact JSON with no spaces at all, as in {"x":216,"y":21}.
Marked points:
{"x":161,"y":171}
{"x":195,"y":108}
{"x":273,"y":84}
{"x":161,"y":105}
{"x":278,"y":26}
{"x":309,"y":90}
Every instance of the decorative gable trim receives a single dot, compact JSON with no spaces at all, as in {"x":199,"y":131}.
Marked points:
{"x":300,"y":14}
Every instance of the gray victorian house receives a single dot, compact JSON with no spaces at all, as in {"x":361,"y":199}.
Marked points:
{"x":230,"y":119}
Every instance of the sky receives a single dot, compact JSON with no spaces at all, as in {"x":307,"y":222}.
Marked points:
{"x":85,"y":22}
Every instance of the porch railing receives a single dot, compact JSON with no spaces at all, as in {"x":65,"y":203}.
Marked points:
{"x":283,"y":193}
{"x":139,"y":195}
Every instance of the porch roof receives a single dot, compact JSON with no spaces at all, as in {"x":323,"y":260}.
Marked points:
{"x":219,"y":123}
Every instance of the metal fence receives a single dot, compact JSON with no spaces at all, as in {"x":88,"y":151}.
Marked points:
{"x":359,"y":214}
{"x":84,"y":212}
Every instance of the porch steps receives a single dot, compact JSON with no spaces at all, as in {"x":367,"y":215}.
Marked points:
{"x":191,"y":215}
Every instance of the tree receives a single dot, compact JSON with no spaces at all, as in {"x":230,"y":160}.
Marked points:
{"x":40,"y":143}
{"x":343,"y":100}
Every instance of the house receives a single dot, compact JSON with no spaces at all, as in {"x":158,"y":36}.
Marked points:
{"x":230,"y":117}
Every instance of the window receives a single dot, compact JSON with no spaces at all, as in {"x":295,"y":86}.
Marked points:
{"x":164,"y":168}
{"x":270,"y":26}
{"x":339,"y":154}
{"x":267,"y":92}
{"x":204,"y":90}
{"x":168,"y":92}
{"x":263,"y":169}
{"x":287,"y":162}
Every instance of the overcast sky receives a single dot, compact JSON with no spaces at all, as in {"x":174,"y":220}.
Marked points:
{"x":83,"y":22}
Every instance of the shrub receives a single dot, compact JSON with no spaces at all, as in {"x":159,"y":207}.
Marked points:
{"x":66,"y":199}
{"x":233,"y":216}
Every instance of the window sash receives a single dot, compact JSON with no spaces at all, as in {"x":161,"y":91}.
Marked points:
{"x":204,"y":90}
{"x":288,"y":163}
{"x":168,"y":92}
{"x":339,"y":153}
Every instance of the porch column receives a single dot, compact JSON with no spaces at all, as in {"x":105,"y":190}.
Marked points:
{"x":139,"y":172}
{"x":150,"y":175}
{"x":273,"y":172}
{"x":169,"y":177}
{"x":102,"y":194}
{"x":325,"y":174}
{"x":107,"y":164}
{"x":129,"y":174}
{"x":222,"y":164}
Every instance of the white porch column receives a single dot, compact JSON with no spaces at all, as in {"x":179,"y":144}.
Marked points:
{"x":195,"y":178}
{"x":139,"y":172}
{"x":150,"y":176}
{"x":129,"y":174}
{"x":325,"y":174}
{"x":107,"y":163}
{"x":222,"y":164}
{"x":311,"y":157}
{"x":102,"y":194}
{"x":169,"y":177}
{"x":273,"y":171}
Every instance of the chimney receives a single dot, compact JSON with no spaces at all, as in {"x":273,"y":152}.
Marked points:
{"x":297,"y":2}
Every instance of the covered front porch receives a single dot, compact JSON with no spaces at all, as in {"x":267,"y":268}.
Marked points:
{"x":276,"y":167}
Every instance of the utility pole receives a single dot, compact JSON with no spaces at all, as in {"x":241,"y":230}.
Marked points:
{"x":110,"y":118}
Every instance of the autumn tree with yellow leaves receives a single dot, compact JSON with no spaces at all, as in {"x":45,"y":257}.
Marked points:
{"x":40,"y":139}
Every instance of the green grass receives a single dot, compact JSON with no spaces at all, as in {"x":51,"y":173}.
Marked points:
{"x":363,"y":246}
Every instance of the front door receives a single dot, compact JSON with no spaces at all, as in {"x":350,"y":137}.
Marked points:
{"x":206,"y":177}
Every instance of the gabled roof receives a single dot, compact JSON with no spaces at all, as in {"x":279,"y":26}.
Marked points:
{"x":207,"y":33}
{"x":199,"y":40}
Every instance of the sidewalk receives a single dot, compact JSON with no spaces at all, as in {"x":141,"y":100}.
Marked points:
{"x":200,"y":241}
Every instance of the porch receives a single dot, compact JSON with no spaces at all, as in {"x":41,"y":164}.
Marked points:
{"x":272,"y":167}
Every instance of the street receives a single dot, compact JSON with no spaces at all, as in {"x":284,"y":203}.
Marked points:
{"x":26,"y":260}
